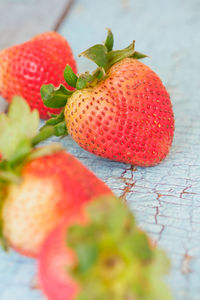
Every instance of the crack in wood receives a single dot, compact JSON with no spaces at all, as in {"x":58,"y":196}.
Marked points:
{"x":64,"y":15}
{"x":184,"y":191}
{"x":157,"y":214}
{"x":129,"y":183}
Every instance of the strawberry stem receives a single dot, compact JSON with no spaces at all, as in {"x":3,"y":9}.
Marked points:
{"x":45,"y":133}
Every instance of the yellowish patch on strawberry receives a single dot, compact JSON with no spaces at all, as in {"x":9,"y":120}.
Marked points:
{"x":31,"y":206}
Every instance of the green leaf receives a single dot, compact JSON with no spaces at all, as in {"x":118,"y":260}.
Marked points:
{"x":119,"y":218}
{"x":117,"y":55}
{"x":55,"y":119}
{"x":87,"y":76}
{"x":55,"y":126}
{"x":140,"y":246}
{"x":77,"y":234}
{"x":138,"y":55}
{"x":17,"y":128}
{"x":97,"y":54}
{"x":105,"y":57}
{"x":161,"y":263}
{"x":98,"y":74}
{"x":101,"y":209}
{"x":3,"y":241}
{"x":82,"y":297}
{"x":109,"y":40}
{"x":87,"y":255}
{"x":81,"y":83}
{"x":159,"y":290}
{"x":54,"y":97}
{"x":9,"y":176}
{"x":89,"y":80}
{"x":69,"y":76}
{"x":23,"y":149}
{"x":101,"y":74}
{"x":110,"y":265}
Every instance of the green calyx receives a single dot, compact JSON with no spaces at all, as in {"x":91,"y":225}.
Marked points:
{"x":116,"y":255}
{"x":104,"y":57}
{"x":18,"y":137}
{"x":3,"y":193}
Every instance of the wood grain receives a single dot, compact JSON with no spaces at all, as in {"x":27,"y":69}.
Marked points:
{"x":22,"y":19}
{"x":165,"y":198}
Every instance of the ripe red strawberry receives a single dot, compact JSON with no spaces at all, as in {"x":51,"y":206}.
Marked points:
{"x":123,"y":112}
{"x":24,"y":68}
{"x":107,"y":257}
{"x":43,"y":186}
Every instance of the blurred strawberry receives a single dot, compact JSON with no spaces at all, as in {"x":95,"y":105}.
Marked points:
{"x":42,"y":185}
{"x":104,"y":256}
{"x":24,"y":68}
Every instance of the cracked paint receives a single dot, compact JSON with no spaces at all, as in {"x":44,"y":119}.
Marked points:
{"x":164,"y":198}
{"x":128,"y":182}
{"x":185,"y":266}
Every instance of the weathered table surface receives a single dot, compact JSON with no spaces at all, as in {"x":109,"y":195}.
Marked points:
{"x":165,"y":198}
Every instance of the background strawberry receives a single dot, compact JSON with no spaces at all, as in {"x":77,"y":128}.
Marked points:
{"x":43,"y":185}
{"x":122,"y":112}
{"x":107,"y":257}
{"x":24,"y":68}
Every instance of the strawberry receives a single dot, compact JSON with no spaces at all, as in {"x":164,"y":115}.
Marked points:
{"x":53,"y":260}
{"x":105,"y":257}
{"x":121,"y":112}
{"x":24,"y":68}
{"x":41,"y":186}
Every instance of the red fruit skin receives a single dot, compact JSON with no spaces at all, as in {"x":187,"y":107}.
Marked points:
{"x":127,"y":117}
{"x":73,"y":185}
{"x":53,"y":261}
{"x":78,"y":184}
{"x":24,"y":68}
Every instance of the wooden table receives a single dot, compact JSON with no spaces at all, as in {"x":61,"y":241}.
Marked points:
{"x":165,"y":198}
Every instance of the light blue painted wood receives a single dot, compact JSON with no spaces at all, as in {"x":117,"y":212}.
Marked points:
{"x":22,"y":19}
{"x":165,"y":198}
